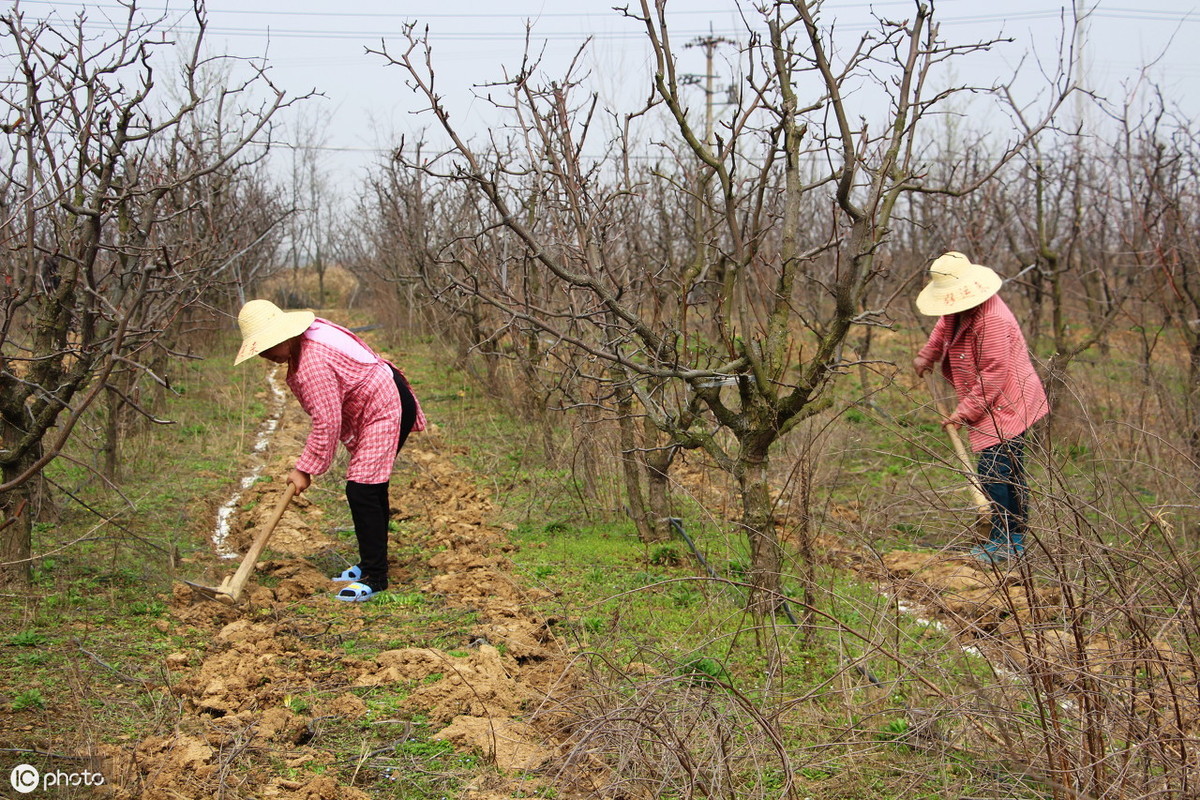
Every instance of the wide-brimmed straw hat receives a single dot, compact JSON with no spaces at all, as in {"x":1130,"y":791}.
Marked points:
{"x":955,"y":285}
{"x":265,"y":325}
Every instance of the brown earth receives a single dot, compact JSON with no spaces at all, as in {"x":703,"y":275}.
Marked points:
{"x":234,"y":697}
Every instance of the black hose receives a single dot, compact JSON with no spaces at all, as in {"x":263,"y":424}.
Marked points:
{"x":677,"y":525}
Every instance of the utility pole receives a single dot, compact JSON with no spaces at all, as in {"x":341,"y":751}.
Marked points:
{"x":710,"y":44}
{"x":699,"y":270}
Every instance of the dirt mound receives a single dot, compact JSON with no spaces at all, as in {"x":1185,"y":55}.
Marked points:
{"x":247,"y":670}
{"x":297,"y":580}
{"x":187,"y":607}
{"x":525,"y":638}
{"x":187,"y":764}
{"x":293,"y":581}
{"x":511,"y":744}
{"x":481,"y":684}
{"x":938,"y":570}
{"x":971,"y":595}
{"x":473,"y":588}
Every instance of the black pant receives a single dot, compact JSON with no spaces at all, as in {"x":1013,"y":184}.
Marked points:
{"x":408,"y":407}
{"x":370,"y":511}
{"x":369,"y":506}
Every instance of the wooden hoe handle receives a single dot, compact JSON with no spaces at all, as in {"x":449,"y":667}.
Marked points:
{"x":230,"y":590}
{"x":982,"y":504}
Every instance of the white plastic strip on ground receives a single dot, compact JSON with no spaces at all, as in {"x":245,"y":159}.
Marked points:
{"x":1011,"y":676}
{"x":265,"y":432}
{"x":914,"y":611}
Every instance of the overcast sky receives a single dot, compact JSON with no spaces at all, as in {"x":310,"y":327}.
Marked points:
{"x":321,"y":45}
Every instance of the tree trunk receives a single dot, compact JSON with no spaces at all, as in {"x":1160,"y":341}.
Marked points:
{"x":862,"y":351}
{"x":16,"y":540}
{"x":320,"y":267}
{"x":16,"y":517}
{"x":806,"y":570}
{"x":657,"y":461}
{"x":584,"y":464}
{"x":1057,"y":397}
{"x":649,"y":509}
{"x":112,"y":435}
{"x":766,"y":557}
{"x":629,"y":467}
{"x":1193,"y":399}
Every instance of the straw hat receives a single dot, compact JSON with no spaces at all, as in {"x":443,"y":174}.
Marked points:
{"x":265,"y":325}
{"x":956,"y":285}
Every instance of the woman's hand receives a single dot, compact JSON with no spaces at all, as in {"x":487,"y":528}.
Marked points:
{"x":953,"y":422}
{"x":302,"y":480}
{"x":922,"y":365}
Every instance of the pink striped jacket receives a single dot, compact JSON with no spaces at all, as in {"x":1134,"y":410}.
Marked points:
{"x":985,"y":357}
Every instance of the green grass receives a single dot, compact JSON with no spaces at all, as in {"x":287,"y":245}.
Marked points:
{"x":28,"y":699}
{"x":632,"y":603}
{"x":28,"y":638}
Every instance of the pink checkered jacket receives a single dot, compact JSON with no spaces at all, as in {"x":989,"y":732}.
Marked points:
{"x":350,"y":394}
{"x":985,"y":357}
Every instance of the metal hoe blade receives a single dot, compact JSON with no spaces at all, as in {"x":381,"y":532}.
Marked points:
{"x":230,"y":590}
{"x":210,"y":593}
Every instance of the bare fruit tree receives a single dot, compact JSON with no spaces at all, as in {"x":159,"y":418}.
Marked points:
{"x":108,"y":185}
{"x":791,"y":201}
{"x":1160,"y":236}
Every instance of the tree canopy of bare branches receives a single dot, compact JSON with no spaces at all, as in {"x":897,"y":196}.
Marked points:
{"x":120,"y":203}
{"x":706,"y":282}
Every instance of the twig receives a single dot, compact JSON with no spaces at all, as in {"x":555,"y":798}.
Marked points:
{"x":387,"y":748}
{"x":109,"y":667}
{"x":16,"y":515}
{"x":105,"y":519}
{"x":227,"y":763}
{"x":328,"y":625}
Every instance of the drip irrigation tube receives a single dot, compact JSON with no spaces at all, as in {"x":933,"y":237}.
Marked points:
{"x":677,"y":525}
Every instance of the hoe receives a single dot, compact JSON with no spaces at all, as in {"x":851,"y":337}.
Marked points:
{"x":983,"y":506}
{"x":230,"y":590}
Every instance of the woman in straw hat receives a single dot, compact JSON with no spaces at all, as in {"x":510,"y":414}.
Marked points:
{"x":984,"y":356}
{"x":352,"y":395}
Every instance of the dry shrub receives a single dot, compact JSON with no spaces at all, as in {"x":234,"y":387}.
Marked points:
{"x":1091,"y":637}
{"x":1103,"y":702}
{"x":687,"y":734}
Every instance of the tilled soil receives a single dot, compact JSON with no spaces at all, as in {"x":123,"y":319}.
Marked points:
{"x":1018,"y":617}
{"x":235,"y":715}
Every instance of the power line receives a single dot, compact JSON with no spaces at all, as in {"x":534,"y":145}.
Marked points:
{"x":434,"y":14}
{"x":82,"y":4}
{"x":1116,"y":13}
{"x":1111,"y":12}
{"x":576,"y":35}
